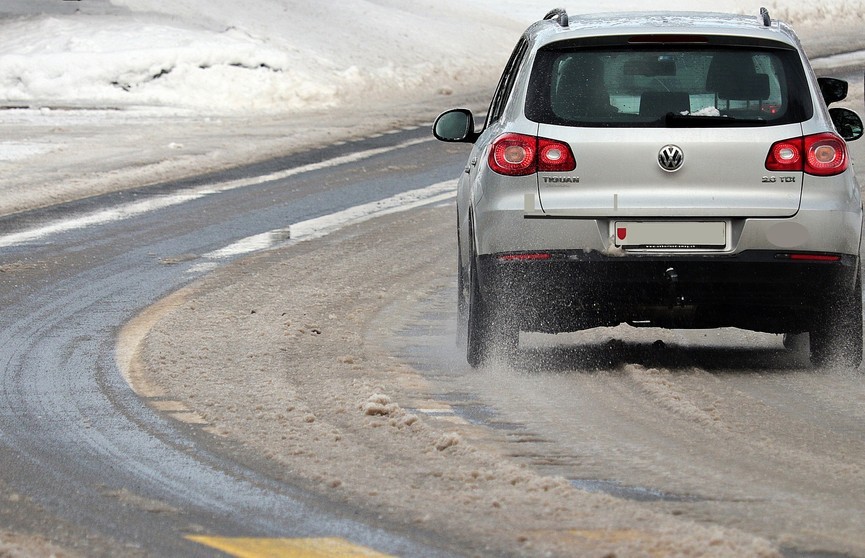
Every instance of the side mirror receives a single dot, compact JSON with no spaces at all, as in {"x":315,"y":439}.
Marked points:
{"x":833,"y":89}
{"x":457,"y":125}
{"x":847,"y":122}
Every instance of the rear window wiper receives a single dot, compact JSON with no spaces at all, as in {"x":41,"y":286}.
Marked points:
{"x":678,"y":120}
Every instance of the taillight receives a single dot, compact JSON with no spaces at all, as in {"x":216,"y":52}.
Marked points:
{"x":826,"y":155}
{"x":555,"y":156}
{"x":521,"y":155}
{"x":514,"y":155}
{"x":820,"y":155}
{"x":786,"y":156}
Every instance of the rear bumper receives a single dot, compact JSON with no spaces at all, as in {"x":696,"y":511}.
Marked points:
{"x":573,"y":290}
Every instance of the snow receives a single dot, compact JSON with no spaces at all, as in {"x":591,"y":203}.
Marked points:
{"x":223,"y":56}
{"x":13,"y":151}
{"x":103,"y":95}
{"x":229,"y":57}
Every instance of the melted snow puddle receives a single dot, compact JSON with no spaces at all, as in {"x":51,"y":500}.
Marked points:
{"x":327,"y":224}
{"x":636,"y":493}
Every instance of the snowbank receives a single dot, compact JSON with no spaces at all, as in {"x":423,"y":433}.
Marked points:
{"x":279,"y":56}
{"x":229,"y":57}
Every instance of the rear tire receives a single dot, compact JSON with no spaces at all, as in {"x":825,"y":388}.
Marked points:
{"x":477,"y":324}
{"x":836,"y":338}
{"x":462,"y":300}
{"x":490,"y":334}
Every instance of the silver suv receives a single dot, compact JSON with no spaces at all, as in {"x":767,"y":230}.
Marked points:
{"x":676,"y":170}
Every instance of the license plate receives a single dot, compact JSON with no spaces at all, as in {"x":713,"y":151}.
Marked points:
{"x":671,"y":234}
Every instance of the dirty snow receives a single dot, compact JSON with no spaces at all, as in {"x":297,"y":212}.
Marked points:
{"x":338,"y":413}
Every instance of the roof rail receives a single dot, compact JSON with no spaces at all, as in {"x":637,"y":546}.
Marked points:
{"x":558,"y":14}
{"x":764,"y":15}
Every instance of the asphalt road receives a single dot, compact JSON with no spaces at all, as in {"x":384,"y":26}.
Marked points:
{"x":85,"y":462}
{"x":82,"y":459}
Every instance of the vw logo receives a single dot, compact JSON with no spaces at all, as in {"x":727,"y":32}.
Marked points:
{"x":671,"y":158}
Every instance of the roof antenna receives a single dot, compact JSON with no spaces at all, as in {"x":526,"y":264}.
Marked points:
{"x":560,"y":15}
{"x":764,"y":14}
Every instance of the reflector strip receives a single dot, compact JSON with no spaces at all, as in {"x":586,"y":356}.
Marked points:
{"x":814,"y":258}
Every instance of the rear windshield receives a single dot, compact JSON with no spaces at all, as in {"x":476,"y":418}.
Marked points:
{"x":660,"y":85}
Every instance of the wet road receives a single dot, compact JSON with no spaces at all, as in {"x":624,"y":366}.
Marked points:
{"x":82,"y":458}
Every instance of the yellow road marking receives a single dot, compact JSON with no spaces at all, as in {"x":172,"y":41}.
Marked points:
{"x":287,"y":548}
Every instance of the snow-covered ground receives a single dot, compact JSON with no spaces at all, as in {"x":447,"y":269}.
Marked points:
{"x":101,"y":95}
{"x":224,"y":56}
